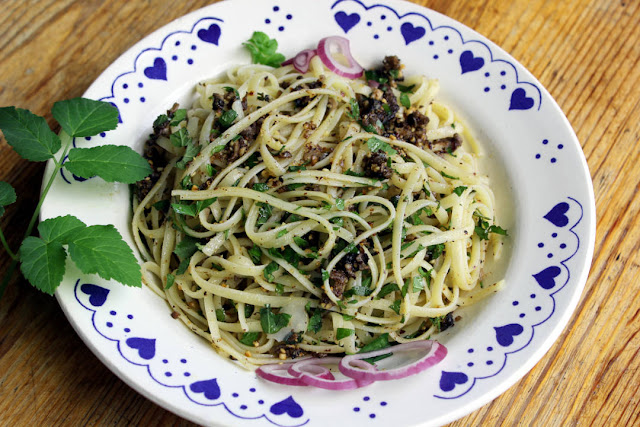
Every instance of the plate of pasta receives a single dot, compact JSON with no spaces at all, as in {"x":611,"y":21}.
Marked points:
{"x":385,"y":214}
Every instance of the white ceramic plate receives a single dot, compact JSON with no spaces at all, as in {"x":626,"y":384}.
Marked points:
{"x":548,"y":193}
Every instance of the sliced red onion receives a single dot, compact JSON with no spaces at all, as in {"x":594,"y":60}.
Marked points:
{"x":328,"y":47}
{"x":278,"y":373}
{"x":333,"y":384}
{"x":314,"y":367}
{"x":400,"y":364}
{"x":302,"y":60}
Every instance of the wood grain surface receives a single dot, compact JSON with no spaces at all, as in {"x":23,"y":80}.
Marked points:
{"x":585,"y":52}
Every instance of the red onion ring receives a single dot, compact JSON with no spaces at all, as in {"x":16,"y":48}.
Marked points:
{"x":314,"y":367}
{"x":302,"y":60}
{"x":328,"y":46}
{"x":278,"y":373}
{"x":327,"y":384}
{"x":433,"y":351}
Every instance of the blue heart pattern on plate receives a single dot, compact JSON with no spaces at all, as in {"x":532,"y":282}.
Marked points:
{"x":527,"y":312}
{"x":441,"y":43}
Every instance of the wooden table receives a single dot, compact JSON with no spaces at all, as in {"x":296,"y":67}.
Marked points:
{"x":585,"y":52}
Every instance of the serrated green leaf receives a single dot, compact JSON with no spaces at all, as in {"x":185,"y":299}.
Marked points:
{"x":42,"y":263}
{"x":100,"y":249}
{"x":7,"y":195}
{"x":180,"y":138}
{"x":271,"y":322}
{"x":191,"y":151}
{"x":60,"y":229}
{"x":263,"y":50}
{"x":113,"y":163}
{"x":376,"y":144}
{"x":85,"y":117}
{"x":28,"y":134}
{"x":249,"y":337}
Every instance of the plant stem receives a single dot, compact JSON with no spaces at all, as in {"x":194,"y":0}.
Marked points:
{"x":66,"y":141}
{"x":6,"y":246}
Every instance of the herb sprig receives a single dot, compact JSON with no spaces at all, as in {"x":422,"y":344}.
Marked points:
{"x":96,"y":249}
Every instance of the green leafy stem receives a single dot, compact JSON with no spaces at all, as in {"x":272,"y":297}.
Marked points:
{"x":96,"y":249}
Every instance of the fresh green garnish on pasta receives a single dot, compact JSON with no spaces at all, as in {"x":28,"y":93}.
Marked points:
{"x":264,"y":50}
{"x":96,"y":249}
{"x":272,"y":322}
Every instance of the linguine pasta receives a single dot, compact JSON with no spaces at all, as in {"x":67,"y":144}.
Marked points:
{"x":294,"y":214}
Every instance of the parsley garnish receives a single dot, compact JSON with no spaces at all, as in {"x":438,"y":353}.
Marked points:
{"x":459,"y":190}
{"x":395,"y":306}
{"x":249,"y":338}
{"x":269,"y":270}
{"x":260,"y":186}
{"x":343,"y":333}
{"x":404,"y":100}
{"x":97,"y":249}
{"x":271,"y":322}
{"x":354,"y":111}
{"x":263,"y":50}
{"x":315,"y":322}
{"x":376,"y":144}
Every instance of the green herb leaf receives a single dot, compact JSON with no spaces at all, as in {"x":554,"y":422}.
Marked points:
{"x":406,"y":89}
{"x":376,"y":144}
{"x":28,"y":134}
{"x":269,"y":270}
{"x":255,"y":253}
{"x":42,"y":263}
{"x":264,"y":213}
{"x":448,"y":176}
{"x":405,"y":101}
{"x":60,"y":229}
{"x":253,"y":160}
{"x":351,"y":248}
{"x":180,"y":138}
{"x":296,"y":168}
{"x":183,"y":209}
{"x":170,"y":281}
{"x":248,"y":310}
{"x":249,"y":338}
{"x":160,"y":120}
{"x":100,"y":249}
{"x":202,"y":204}
{"x":271,"y":322}
{"x":264,"y":50}
{"x":301,"y":242}
{"x":260,"y":186}
{"x":378,"y":343}
{"x":211,"y":171}
{"x":343,"y":333}
{"x":387,"y":289}
{"x":434,"y":251}
{"x":191,"y":151}
{"x":395,"y":306}
{"x":418,"y":284}
{"x":113,"y":163}
{"x":220,"y":315}
{"x":85,"y":117}
{"x":325,"y":275}
{"x":227,"y":118}
{"x":7,"y":195}
{"x":354,"y":111}
{"x":281,"y":233}
{"x":315,"y":322}
{"x":178,"y":116}
{"x":340,"y":204}
{"x":186,"y":248}
{"x":498,"y":230}
{"x":459,"y":190}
